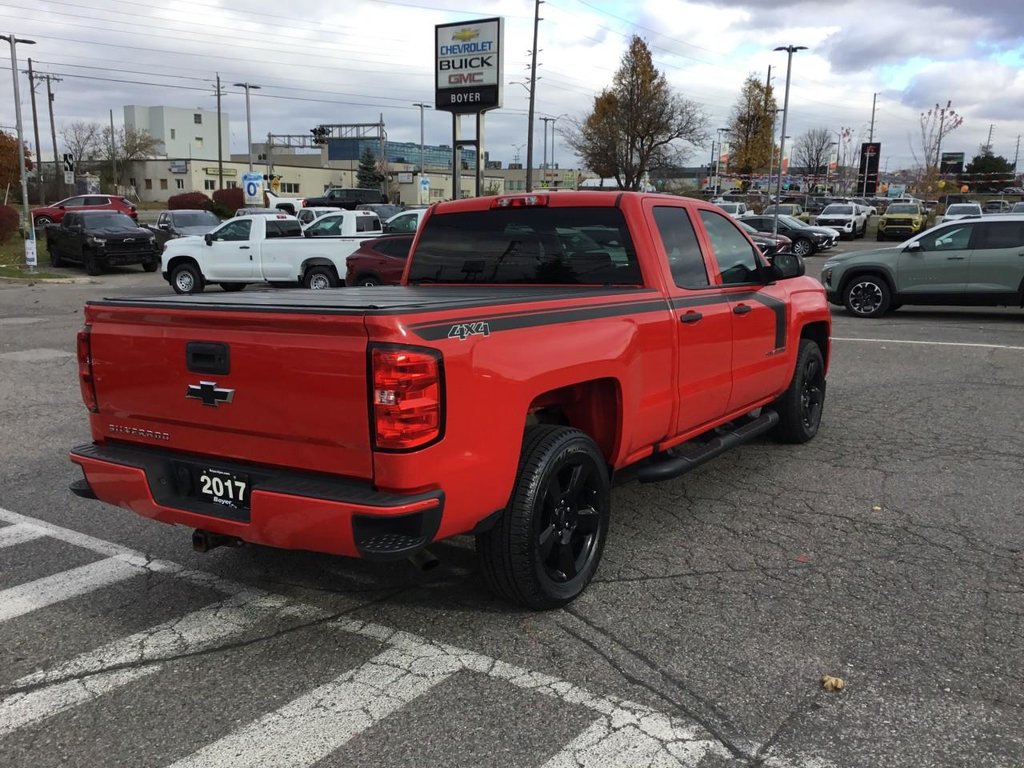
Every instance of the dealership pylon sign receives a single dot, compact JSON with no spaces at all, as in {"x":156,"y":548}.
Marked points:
{"x":468,"y":65}
{"x":468,"y":74}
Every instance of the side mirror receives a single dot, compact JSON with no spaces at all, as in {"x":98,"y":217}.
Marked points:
{"x":785,"y":266}
{"x":163,"y":225}
{"x":208,"y":237}
{"x":914,"y":246}
{"x":61,"y":207}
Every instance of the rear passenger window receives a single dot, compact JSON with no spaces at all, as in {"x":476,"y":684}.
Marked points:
{"x":737,"y":262}
{"x":1001,"y":234}
{"x":368,"y":224}
{"x":681,"y":247}
{"x":284,"y":229}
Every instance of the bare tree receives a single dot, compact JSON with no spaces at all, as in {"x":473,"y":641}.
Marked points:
{"x":83,"y":140}
{"x":937,"y":123}
{"x":812,"y":150}
{"x":130,"y":144}
{"x":637,"y":125}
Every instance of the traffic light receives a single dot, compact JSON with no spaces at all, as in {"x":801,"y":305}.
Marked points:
{"x":320,"y":135}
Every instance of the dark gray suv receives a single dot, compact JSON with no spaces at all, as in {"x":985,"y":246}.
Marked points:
{"x":974,"y":261}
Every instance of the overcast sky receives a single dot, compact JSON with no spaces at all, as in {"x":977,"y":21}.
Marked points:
{"x":351,"y":61}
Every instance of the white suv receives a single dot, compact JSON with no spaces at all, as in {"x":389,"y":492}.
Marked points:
{"x":960,"y":210}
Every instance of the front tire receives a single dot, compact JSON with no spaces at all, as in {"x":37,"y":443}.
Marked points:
{"x":867,"y":296}
{"x":801,"y":405}
{"x":545,"y":547}
{"x":41,"y":222}
{"x":319,"y":279}
{"x":152,"y":265}
{"x":93,"y":266}
{"x":803,"y":247}
{"x":186,"y":279}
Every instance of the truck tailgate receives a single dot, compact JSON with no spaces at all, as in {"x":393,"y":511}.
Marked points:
{"x":275,"y":388}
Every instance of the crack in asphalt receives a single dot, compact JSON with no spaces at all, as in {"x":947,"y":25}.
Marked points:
{"x":706,"y":722}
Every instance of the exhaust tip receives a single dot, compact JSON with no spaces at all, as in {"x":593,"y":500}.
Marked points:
{"x":204,"y":541}
{"x":424,"y":560}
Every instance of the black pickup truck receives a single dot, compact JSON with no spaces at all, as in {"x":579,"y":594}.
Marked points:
{"x":101,"y":239}
{"x":346,"y":197}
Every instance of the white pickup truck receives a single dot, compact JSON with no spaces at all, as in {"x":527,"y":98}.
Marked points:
{"x":270,"y":249}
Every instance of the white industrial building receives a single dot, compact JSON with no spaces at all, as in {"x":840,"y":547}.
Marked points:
{"x":188,"y":133}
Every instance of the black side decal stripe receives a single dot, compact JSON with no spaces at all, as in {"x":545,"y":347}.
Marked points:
{"x":434,"y":332}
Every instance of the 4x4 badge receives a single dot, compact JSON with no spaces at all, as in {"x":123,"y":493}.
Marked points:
{"x":209,"y":393}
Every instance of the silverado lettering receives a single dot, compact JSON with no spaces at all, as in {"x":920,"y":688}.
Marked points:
{"x":638,"y":331}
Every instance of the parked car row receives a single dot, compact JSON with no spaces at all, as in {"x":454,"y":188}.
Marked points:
{"x":53,"y":214}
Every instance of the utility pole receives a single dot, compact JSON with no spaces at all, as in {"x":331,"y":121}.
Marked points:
{"x":1016,"y":154}
{"x":53,"y":135}
{"x":220,"y":147}
{"x":35,"y":130}
{"x":867,"y":158}
{"x":988,"y":144}
{"x":113,"y":151}
{"x":28,"y":227}
{"x":533,"y":94}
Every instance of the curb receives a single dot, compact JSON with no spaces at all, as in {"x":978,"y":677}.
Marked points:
{"x":48,"y":280}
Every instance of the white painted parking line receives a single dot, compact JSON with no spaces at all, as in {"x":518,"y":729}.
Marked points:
{"x":18,"y":533}
{"x":608,"y":745}
{"x":25,"y":598}
{"x":35,"y":355}
{"x":106,"y":669}
{"x":311,"y":727}
{"x":932,"y":343}
{"x":315,"y":724}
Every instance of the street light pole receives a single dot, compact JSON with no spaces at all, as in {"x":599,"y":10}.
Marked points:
{"x":248,"y":116}
{"x":25,"y":218}
{"x":422,"y":106}
{"x":790,"y":50}
{"x":718,"y":162}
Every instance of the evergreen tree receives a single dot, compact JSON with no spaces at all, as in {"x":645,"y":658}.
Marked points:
{"x":369,"y":176}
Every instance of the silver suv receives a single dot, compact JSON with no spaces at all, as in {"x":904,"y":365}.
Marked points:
{"x":969,"y":262}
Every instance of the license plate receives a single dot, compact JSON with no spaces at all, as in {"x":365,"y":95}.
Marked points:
{"x":225,"y":488}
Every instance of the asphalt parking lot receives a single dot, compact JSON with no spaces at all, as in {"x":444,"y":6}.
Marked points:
{"x":888,"y":552}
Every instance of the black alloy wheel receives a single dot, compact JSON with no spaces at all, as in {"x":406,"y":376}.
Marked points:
{"x":800,"y":407}
{"x":867,"y":296}
{"x":545,"y":547}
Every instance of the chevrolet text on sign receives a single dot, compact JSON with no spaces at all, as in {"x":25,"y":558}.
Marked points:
{"x":468,"y":65}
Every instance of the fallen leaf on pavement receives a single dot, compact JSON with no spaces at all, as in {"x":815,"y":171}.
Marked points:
{"x":830,"y":683}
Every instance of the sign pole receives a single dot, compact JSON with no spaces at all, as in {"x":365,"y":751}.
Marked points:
{"x":480,"y":153}
{"x":456,"y":156}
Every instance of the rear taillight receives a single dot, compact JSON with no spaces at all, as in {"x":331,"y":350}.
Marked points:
{"x":85,"y":379}
{"x":407,"y":397}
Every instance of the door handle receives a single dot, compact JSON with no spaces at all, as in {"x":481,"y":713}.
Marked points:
{"x":691,"y":317}
{"x":243,"y":247}
{"x":742,"y":309}
{"x":954,"y":258}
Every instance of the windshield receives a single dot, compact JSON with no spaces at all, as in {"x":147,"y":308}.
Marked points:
{"x":114,"y":221}
{"x":554,"y":246}
{"x":794,"y":223}
{"x":963,"y":208}
{"x":1018,"y":208}
{"x":195,"y":219}
{"x":838,"y":210}
{"x":729,"y":207}
{"x":902,"y":208}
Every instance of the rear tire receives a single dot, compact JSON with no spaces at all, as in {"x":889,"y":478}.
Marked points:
{"x":319,"y":278}
{"x":801,"y":405}
{"x":55,"y":258}
{"x":232,"y":287}
{"x":546,"y":545}
{"x":186,"y":279}
{"x":41,"y":222}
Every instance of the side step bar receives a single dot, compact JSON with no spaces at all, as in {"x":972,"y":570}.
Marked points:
{"x":686,"y":457}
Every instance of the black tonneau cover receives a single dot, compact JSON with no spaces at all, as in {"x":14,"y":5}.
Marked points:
{"x":377,"y":300}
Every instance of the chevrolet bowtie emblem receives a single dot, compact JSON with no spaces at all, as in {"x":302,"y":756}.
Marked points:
{"x":465,"y":35}
{"x":209,"y":393}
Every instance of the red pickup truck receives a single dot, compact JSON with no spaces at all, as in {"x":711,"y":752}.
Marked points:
{"x":539,"y":346}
